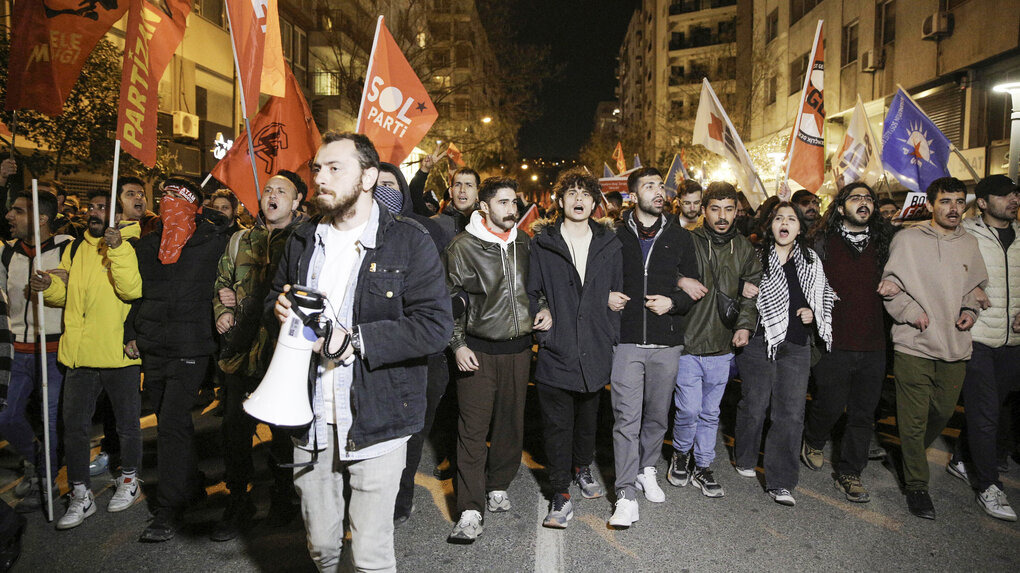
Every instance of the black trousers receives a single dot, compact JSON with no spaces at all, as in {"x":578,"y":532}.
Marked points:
{"x":568,"y":426}
{"x":438,"y":380}
{"x":238,"y":428}
{"x":171,"y":385}
{"x":852,"y":382}
{"x":992,"y":374}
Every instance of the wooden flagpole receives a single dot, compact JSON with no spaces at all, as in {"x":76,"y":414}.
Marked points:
{"x":41,"y":343}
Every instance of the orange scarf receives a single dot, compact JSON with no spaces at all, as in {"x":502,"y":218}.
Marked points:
{"x":178,"y":225}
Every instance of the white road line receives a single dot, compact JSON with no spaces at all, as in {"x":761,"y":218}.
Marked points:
{"x":549,"y":545}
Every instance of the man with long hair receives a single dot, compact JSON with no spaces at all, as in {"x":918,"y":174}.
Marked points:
{"x":853,"y":243}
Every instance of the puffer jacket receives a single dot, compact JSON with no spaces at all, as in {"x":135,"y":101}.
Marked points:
{"x":723,"y":268}
{"x":100,"y":283}
{"x":494,"y":275}
{"x":994,"y":326}
{"x":14,"y":278}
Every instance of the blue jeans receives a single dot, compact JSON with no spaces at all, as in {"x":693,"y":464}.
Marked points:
{"x":26,"y":377}
{"x":700,"y":384}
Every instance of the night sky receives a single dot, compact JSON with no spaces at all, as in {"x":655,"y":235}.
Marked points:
{"x":585,"y":35}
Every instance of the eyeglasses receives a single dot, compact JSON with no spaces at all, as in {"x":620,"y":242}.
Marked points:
{"x":860,"y":199}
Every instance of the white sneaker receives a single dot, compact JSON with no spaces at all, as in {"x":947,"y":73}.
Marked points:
{"x":646,"y":482}
{"x":467,"y":529}
{"x":498,"y":501}
{"x":128,"y":492}
{"x":626,"y":513}
{"x":993,"y":501}
{"x":83,"y":504}
{"x":958,"y":470}
{"x":745,"y":472}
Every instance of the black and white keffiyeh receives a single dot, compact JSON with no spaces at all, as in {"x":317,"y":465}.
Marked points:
{"x":774,"y":299}
{"x":856,"y":239}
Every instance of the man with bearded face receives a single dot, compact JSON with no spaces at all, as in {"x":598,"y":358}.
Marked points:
{"x":388,"y":311}
{"x":853,"y":244}
{"x":101,"y":278}
{"x":492,"y":347}
{"x":171,"y":330}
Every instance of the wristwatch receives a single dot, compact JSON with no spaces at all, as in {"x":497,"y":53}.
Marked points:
{"x":356,"y":340}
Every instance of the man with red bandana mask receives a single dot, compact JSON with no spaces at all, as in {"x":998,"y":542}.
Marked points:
{"x":171,"y":330}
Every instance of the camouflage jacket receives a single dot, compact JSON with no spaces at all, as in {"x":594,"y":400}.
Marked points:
{"x":247,"y":267}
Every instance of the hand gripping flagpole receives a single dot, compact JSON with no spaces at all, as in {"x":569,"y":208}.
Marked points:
{"x":244,"y":112}
{"x":41,"y":343}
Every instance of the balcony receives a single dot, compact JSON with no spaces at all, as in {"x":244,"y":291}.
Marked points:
{"x":326,"y":83}
{"x":688,"y":6}
{"x":700,"y":39}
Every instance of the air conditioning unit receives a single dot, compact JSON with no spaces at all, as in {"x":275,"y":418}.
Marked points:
{"x":937,"y":26}
{"x":870,"y":61}
{"x":185,"y":125}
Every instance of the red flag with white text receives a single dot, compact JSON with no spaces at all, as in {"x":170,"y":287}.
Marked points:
{"x":284,"y":135}
{"x":396,"y":111}
{"x":50,"y":42}
{"x":806,"y":154}
{"x":151,"y":40}
{"x":249,"y":25}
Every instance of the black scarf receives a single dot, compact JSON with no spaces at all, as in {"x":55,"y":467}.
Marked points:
{"x":856,"y":239}
{"x":721,"y":238}
{"x":649,"y":232}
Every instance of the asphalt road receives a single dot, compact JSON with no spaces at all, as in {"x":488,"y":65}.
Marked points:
{"x":743,"y":531}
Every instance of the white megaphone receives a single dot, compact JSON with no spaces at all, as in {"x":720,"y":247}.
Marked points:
{"x":282,"y":397}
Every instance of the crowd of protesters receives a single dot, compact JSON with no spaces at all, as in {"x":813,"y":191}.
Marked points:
{"x":665,"y":300}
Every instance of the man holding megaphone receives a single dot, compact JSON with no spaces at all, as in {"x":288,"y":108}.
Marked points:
{"x":385,"y":310}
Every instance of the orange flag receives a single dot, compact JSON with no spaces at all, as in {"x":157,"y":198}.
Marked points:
{"x":249,"y":26}
{"x":806,"y":153}
{"x":528,"y":219}
{"x":454,"y":154}
{"x":621,"y":161}
{"x":396,"y":111}
{"x":274,"y":71}
{"x":285,"y":137}
{"x":50,"y":42}
{"x":152,"y":38}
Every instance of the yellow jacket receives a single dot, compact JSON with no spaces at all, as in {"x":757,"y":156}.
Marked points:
{"x":100,"y":283}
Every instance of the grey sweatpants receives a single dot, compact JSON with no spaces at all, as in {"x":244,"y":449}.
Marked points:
{"x":642,"y":391}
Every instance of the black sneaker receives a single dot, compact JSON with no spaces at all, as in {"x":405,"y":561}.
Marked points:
{"x":236,"y":517}
{"x":703,"y":478}
{"x":919,"y":503}
{"x":162,"y":528}
{"x":679,"y":473}
{"x":851,"y":485}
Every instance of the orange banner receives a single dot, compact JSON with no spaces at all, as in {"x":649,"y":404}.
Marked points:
{"x":621,"y":162}
{"x":453,"y":152}
{"x":806,"y":153}
{"x":249,"y":24}
{"x":152,"y":38}
{"x":50,"y":42}
{"x":396,"y":110}
{"x":284,"y":135}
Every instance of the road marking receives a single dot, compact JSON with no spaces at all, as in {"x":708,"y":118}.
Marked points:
{"x":775,"y":533}
{"x":608,"y":535}
{"x":549,"y":545}
{"x":441,"y":491}
{"x":855,"y":510}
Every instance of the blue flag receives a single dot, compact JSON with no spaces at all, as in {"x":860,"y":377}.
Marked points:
{"x":606,"y":171}
{"x":674,"y":176}
{"x":913,"y":149}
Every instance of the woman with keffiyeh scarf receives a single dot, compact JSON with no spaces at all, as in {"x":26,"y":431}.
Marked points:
{"x":793,"y":295}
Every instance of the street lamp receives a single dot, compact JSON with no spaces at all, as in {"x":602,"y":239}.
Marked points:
{"x":524,"y":166}
{"x":486,"y":120}
{"x":1013,"y":89}
{"x":534,"y":177}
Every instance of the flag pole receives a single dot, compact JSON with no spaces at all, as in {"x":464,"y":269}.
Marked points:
{"x":112,"y":206}
{"x":14,"y":131}
{"x":41,"y":342}
{"x":952,"y":147}
{"x":244,"y":111}
{"x":368,"y":70}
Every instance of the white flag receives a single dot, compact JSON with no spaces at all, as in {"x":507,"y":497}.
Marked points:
{"x":715,"y":131}
{"x":858,"y":159}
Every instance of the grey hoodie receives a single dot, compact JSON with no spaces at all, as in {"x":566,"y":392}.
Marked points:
{"x":938,"y":273}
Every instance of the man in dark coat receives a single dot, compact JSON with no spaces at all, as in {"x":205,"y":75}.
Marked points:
{"x":171,"y":328}
{"x":576,"y":263}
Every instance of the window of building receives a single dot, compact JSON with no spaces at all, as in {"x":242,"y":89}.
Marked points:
{"x":728,"y":31}
{"x":440,"y":59}
{"x":771,"y":89}
{"x":211,"y":10}
{"x":676,"y":109}
{"x":885,"y":22}
{"x":676,"y":75}
{"x":849,"y":45}
{"x":798,"y":68}
{"x":287,"y":39}
{"x":772,"y":25}
{"x":460,"y":108}
{"x":462,"y":55}
{"x":799,"y":8}
{"x":728,"y":68}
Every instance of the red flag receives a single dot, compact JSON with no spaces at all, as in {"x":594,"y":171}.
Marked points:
{"x":49,"y":45}
{"x":621,"y":162}
{"x":454,"y":154}
{"x":152,"y":38}
{"x":396,"y":111}
{"x":529,"y":218}
{"x":285,"y":137}
{"x":249,"y":22}
{"x":806,"y":153}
